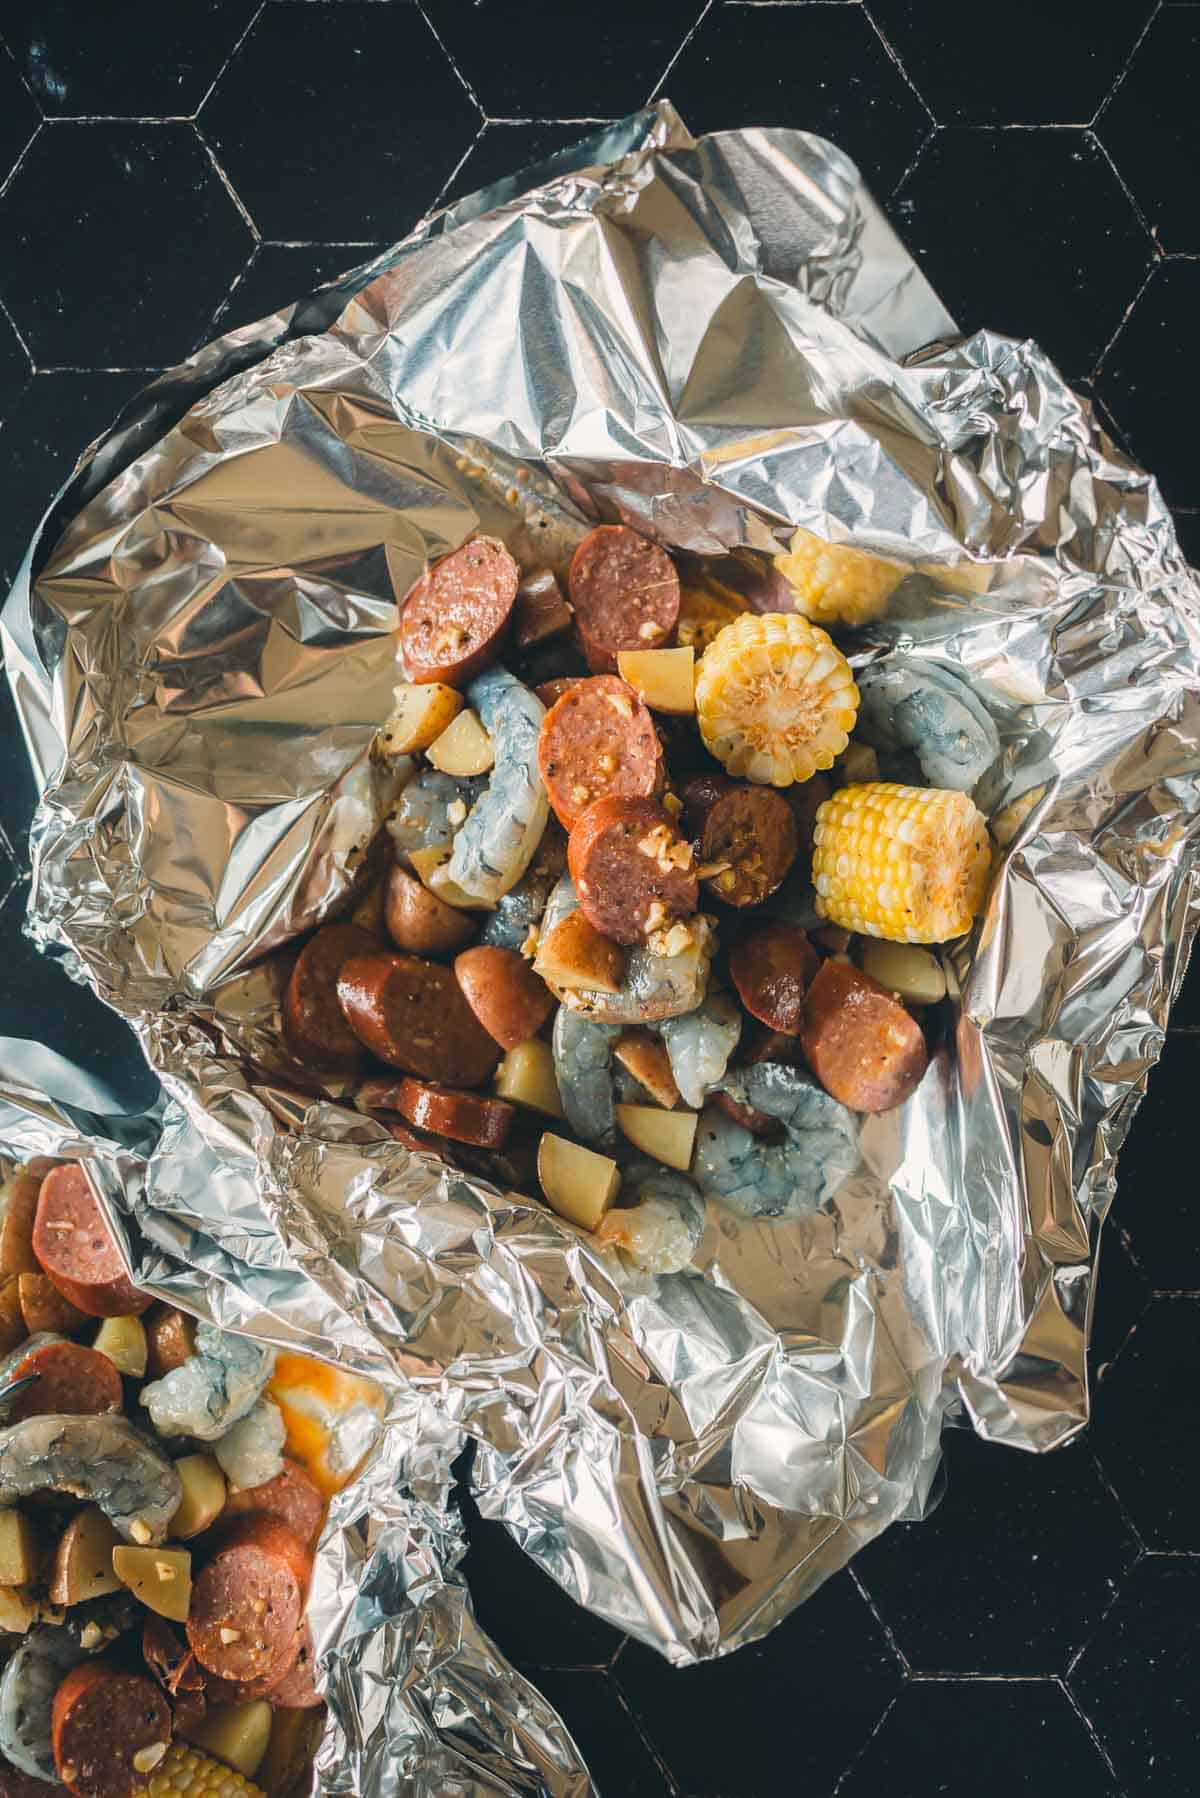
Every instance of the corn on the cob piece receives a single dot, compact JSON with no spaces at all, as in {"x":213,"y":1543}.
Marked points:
{"x":836,"y":584}
{"x":907,"y":863}
{"x":702,"y":615}
{"x":775,"y":698}
{"x":186,"y":1773}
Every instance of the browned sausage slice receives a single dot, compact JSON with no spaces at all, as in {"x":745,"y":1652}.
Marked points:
{"x":625,"y":592}
{"x":455,"y":616}
{"x":463,"y":1117}
{"x":76,"y":1248}
{"x":291,"y":1497}
{"x":541,"y":611}
{"x":598,"y":739}
{"x":632,"y":869}
{"x":106,"y":1726}
{"x":16,"y":1784}
{"x":248,"y":1603}
{"x":760,"y":1044}
{"x":747,"y":836}
{"x":509,"y":999}
{"x":73,"y":1381}
{"x":43,"y":1307}
{"x":771,"y":967}
{"x":551,"y":691}
{"x":861,"y":1044}
{"x":313,"y":1024}
{"x":413,"y":1015}
{"x":421,"y":923}
{"x":297,"y":1690}
{"x":170,"y":1340}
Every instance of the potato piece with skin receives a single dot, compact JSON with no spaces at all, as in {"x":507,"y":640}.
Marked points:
{"x":508,"y":997}
{"x":526,"y":1077}
{"x":83,"y":1566}
{"x":234,"y":1733}
{"x":665,"y":678}
{"x":464,"y":748}
{"x":12,"y":1321}
{"x":914,"y":974}
{"x":18,"y":1611}
{"x":170,"y":1340}
{"x":419,"y":716}
{"x":576,"y":1182}
{"x":419,"y":922}
{"x":19,"y":1203}
{"x":159,"y":1578}
{"x":123,"y":1340}
{"x":645,"y":1056}
{"x":575,"y":956}
{"x":666,"y":1136}
{"x":204,"y":1494}
{"x":20,"y":1556}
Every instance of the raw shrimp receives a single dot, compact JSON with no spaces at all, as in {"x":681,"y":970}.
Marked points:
{"x":583,"y":1069}
{"x":9,"y":1363}
{"x":654,"y":986}
{"x":31,"y":1678}
{"x":102,"y":1460}
{"x":424,"y":816}
{"x":905,"y":704}
{"x":783,"y":1179}
{"x":521,"y":909}
{"x":501,"y":835}
{"x":661,"y":1232}
{"x":251,"y":1453}
{"x":700,"y":1043}
{"x":212,"y":1389}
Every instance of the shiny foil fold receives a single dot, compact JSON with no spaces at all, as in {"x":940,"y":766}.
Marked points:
{"x":420,"y":1702}
{"x":717,"y":341}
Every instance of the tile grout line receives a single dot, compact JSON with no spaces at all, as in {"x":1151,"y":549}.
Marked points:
{"x":1093,"y":1737}
{"x":223,"y":307}
{"x":616,"y":1687}
{"x":656,"y":87}
{"x":1125,"y":188}
{"x":12,"y":173}
{"x":209,"y":90}
{"x":864,"y":1592}
{"x":17,"y":333}
{"x":1123,"y":74}
{"x":1097,"y":369}
{"x":847,"y":1770}
{"x":20,"y":74}
{"x":226,"y":183}
{"x":890,"y":51}
{"x":476,"y":102}
{"x":437,"y":200}
{"x":1090,"y":1635}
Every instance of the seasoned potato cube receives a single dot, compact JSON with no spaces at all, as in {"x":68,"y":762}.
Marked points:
{"x":575,"y":955}
{"x":463,"y":748}
{"x":83,"y":1566}
{"x":419,"y":716}
{"x":665,"y":678}
{"x":235,"y":1733}
{"x":159,"y":1578}
{"x":203,"y":1495}
{"x":19,"y":1555}
{"x":526,"y":1076}
{"x":17,"y":1611}
{"x":577,"y":1183}
{"x":910,"y":972}
{"x":647,"y":1060}
{"x":667,"y":1136}
{"x":123,"y":1340}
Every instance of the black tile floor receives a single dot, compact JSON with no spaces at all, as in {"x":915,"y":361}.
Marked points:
{"x":173,"y":168}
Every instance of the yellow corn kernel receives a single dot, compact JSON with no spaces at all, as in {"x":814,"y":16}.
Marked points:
{"x":836,"y":584}
{"x":702,"y":614}
{"x":184,"y":1772}
{"x":775,"y":698}
{"x":907,"y":863}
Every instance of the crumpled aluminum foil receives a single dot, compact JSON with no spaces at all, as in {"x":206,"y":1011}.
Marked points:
{"x":717,"y":341}
{"x":421,"y":1703}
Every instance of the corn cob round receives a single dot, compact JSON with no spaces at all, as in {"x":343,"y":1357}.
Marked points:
{"x":775,"y":698}
{"x":907,"y":863}
{"x":186,"y":1773}
{"x":836,"y":584}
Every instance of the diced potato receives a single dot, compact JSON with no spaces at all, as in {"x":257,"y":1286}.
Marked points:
{"x":12,"y":1320}
{"x":203,"y":1498}
{"x":859,"y":765}
{"x":419,"y":716}
{"x":159,"y":1578}
{"x":235,"y":1733}
{"x":577,"y":1183}
{"x":463,"y":748}
{"x":526,"y":1077}
{"x":17,"y":1610}
{"x":666,"y":1136}
{"x":18,"y":1202}
{"x":294,"y":1736}
{"x":575,"y":955}
{"x":910,"y":972}
{"x":83,"y":1559}
{"x":19,"y":1555}
{"x":665,"y":678}
{"x":123,"y":1340}
{"x":647,"y":1060}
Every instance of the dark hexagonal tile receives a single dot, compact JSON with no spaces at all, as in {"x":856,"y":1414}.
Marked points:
{"x":994,"y":1739}
{"x":1151,"y":360}
{"x":1122,"y":1294}
{"x":1047,"y":245}
{"x":1139,"y":1679}
{"x":379,"y":119}
{"x":19,"y":117}
{"x":1082,"y":45}
{"x":1146,"y":1424}
{"x":617,"y":1758}
{"x":523,"y":1610}
{"x":279,"y":273}
{"x":1012,"y":1570}
{"x":503,"y":150}
{"x":815,"y":68}
{"x":1187,"y":524}
{"x":119,"y":240}
{"x":801,"y":1700}
{"x":1154,"y":1207}
{"x":139,"y":59}
{"x":14,"y":367}
{"x":1151,"y":127}
{"x":526,"y":62}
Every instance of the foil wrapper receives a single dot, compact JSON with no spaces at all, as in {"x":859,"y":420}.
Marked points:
{"x":717,"y":341}
{"x":419,"y":1700}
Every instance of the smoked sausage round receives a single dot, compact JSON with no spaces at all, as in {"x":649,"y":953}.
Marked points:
{"x":248,"y":1603}
{"x":106,"y":1726}
{"x":863,"y":1046}
{"x":632,"y":869}
{"x":412,"y":1014}
{"x":625,"y":592}
{"x":746,"y":834}
{"x":771,"y":967}
{"x":313,"y":1024}
{"x":77,"y":1250}
{"x":454,"y":618}
{"x":598,"y":739}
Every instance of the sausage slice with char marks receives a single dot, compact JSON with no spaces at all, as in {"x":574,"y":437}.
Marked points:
{"x":463,"y":1117}
{"x":313,"y":1024}
{"x":747,"y":833}
{"x":771,"y":967}
{"x":106,"y":1726}
{"x":413,"y":1015}
{"x":248,"y":1604}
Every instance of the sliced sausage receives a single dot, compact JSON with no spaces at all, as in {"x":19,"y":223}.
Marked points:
{"x":170,"y":1340}
{"x":746,"y":835}
{"x":598,"y":739}
{"x":413,"y":1015}
{"x":862,"y":1045}
{"x":625,"y":592}
{"x":291,"y":1497}
{"x":509,"y":999}
{"x":551,"y":691}
{"x":43,"y":1307}
{"x":463,"y":1117}
{"x":105,"y":1726}
{"x":632,"y":869}
{"x":540,"y":611}
{"x":316,"y":1031}
{"x":73,"y":1381}
{"x":421,"y":923}
{"x":248,"y":1603}
{"x":297,"y":1690}
{"x":77,"y":1250}
{"x":454,"y":618}
{"x":16,"y":1784}
{"x":13,"y":1327}
{"x":771,"y":967}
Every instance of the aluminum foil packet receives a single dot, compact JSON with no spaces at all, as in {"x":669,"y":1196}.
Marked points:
{"x":420,"y":1702}
{"x":717,"y":341}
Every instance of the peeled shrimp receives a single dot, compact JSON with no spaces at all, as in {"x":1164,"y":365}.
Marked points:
{"x":661,"y":1232}
{"x":583,"y":1068}
{"x":522,"y":907}
{"x":699,"y":1045}
{"x":783,"y":1179}
{"x":251,"y":1452}
{"x":501,"y":834}
{"x":424,"y":815}
{"x":908,"y":705}
{"x":212,"y":1389}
